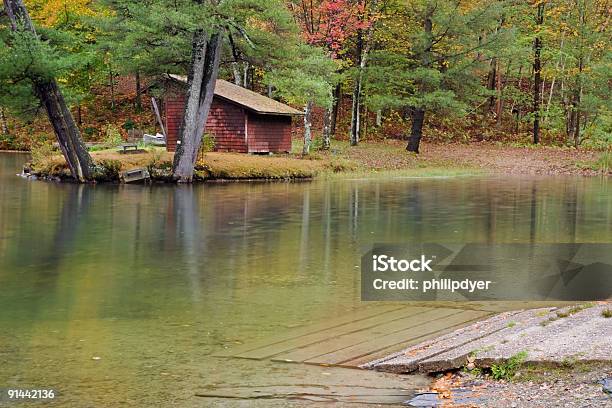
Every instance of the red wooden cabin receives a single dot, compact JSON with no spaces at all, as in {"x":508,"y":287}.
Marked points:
{"x":239,"y":119}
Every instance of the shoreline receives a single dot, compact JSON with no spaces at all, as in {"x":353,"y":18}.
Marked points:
{"x":501,"y":360}
{"x":367,"y":161}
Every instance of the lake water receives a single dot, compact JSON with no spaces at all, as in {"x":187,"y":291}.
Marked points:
{"x":121,"y":293}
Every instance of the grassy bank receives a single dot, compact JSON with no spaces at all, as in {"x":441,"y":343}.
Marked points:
{"x":381,"y":159}
{"x":213,"y":166}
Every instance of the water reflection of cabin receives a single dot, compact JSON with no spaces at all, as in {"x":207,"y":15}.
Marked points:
{"x":240,"y":120}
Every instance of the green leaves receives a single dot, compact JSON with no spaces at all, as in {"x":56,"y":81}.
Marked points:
{"x":431,"y":60}
{"x":308,"y":74}
{"x":22,"y":59}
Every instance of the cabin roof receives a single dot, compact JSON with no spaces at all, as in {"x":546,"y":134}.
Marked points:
{"x":247,"y":98}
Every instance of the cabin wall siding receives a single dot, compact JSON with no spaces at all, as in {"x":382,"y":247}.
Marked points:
{"x":233,"y":127}
{"x":174,"y":116}
{"x":225,"y":122}
{"x":269,"y":133}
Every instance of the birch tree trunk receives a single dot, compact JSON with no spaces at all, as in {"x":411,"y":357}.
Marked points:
{"x":356,"y":107}
{"x":362,"y":51}
{"x":327,"y":119}
{"x":236,"y":70}
{"x":201,"y":86}
{"x":307,"y":128}
{"x":3,"y":122}
{"x":47,"y":90}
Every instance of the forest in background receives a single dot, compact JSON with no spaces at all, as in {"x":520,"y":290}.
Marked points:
{"x":472,"y":70}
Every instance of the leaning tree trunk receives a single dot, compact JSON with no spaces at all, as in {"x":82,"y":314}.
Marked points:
{"x":418,"y":118}
{"x":47,"y":90}
{"x":201,"y":86}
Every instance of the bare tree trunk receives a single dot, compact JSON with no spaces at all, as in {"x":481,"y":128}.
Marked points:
{"x":245,"y":75}
{"x":492,"y":80}
{"x":235,"y":63}
{"x":550,"y":95}
{"x":79,"y":115}
{"x":138,"y":92}
{"x":307,"y":128}
{"x":499,"y":104}
{"x":356,"y":107}
{"x":111,"y":82}
{"x":3,"y":122}
{"x":362,"y":56}
{"x":576,"y":103}
{"x":201,"y":86}
{"x":558,"y":64}
{"x":336,"y":109}
{"x":518,"y":86}
{"x":418,"y":119}
{"x":237,"y":74}
{"x":327,"y":119}
{"x":418,"y":113}
{"x":379,"y":118}
{"x":537,"y":71}
{"x":365,"y":122}
{"x":577,"y":100}
{"x":500,"y":97}
{"x":46,"y":89}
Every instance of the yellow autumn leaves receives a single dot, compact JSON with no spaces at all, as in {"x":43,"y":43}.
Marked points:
{"x":51,"y":13}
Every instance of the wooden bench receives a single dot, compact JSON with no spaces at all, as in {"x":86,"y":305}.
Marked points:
{"x":125,"y":148}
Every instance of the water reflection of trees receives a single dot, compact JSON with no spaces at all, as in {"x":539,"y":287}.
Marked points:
{"x":196,"y":239}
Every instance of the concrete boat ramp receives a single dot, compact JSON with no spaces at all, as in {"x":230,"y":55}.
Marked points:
{"x":549,"y":336}
{"x":398,"y":338}
{"x":356,"y":338}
